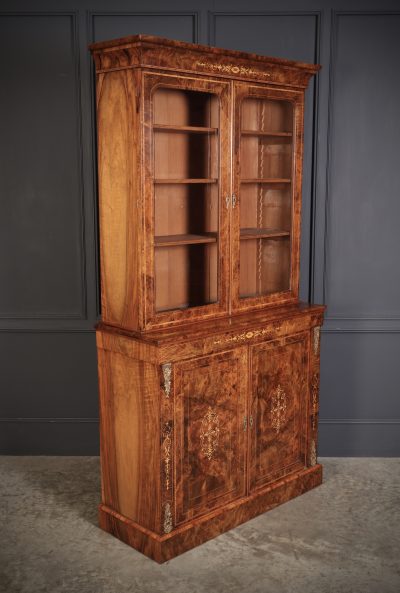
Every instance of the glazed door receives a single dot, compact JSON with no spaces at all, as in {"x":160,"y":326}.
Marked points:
{"x":268,"y":129}
{"x":187,"y":165}
{"x":210,"y":414}
{"x":279,"y":386}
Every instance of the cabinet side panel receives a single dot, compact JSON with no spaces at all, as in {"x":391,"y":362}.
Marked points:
{"x":119,"y":179}
{"x":129,"y":432}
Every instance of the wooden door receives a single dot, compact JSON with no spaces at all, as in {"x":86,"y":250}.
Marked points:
{"x":187,"y":178}
{"x":268,"y":147}
{"x":278,"y":410}
{"x":210,"y":432}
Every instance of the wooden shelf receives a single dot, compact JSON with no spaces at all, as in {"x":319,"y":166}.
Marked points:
{"x":190,"y":129}
{"x":255,"y":233}
{"x":265,"y":180}
{"x":261,"y":133}
{"x":173,"y":240}
{"x":179,"y":181}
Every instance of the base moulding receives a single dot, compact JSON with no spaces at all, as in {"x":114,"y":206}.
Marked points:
{"x":189,"y":535}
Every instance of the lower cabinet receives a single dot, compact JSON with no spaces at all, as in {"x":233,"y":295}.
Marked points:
{"x":201,"y":434}
{"x":238,"y":426}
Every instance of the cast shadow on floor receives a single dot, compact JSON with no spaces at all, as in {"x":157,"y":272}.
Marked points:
{"x":72,"y":482}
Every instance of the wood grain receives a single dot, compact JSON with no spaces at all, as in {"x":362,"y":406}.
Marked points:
{"x":170,"y":55}
{"x":208,"y":363}
{"x":278,"y":408}
{"x":130,"y":436}
{"x":209,"y":526}
{"x":118,"y":161}
{"x":187,"y":280}
{"x":210,"y":407}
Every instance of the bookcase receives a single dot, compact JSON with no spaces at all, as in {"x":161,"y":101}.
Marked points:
{"x":208,"y":363}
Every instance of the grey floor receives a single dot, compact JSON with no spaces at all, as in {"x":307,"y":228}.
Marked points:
{"x":342,"y":537}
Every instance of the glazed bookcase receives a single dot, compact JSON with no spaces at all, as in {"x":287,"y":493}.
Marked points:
{"x":208,"y":362}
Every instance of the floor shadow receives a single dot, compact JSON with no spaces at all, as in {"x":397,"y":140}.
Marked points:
{"x":71,"y":482}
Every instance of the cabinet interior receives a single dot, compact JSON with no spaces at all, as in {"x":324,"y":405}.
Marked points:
{"x":266,"y":157}
{"x":186,"y":172}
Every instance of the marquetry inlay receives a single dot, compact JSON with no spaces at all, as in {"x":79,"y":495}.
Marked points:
{"x":209,"y":433}
{"x":278,"y":408}
{"x":209,"y":366}
{"x":313,"y":453}
{"x":314,"y":398}
{"x":167,"y":518}
{"x":167,"y":444}
{"x":243,"y":336}
{"x":317,"y":331}
{"x":167,"y":372}
{"x":232,"y":69}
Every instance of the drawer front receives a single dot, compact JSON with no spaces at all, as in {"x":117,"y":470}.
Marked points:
{"x":210,"y":398}
{"x":279,"y":396}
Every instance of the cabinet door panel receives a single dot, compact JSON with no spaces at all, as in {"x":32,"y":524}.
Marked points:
{"x":268,"y":128}
{"x":278,"y":409}
{"x":187,"y":174}
{"x":210,"y":404}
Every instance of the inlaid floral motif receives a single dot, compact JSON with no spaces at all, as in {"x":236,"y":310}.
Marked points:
{"x":278,"y":408}
{"x":167,"y":444}
{"x":209,"y":433}
{"x":232,"y":69}
{"x":167,"y":518}
{"x":167,"y":372}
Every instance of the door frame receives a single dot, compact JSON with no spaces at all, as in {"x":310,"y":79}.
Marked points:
{"x":152,"y":80}
{"x":238,"y":487}
{"x":242,"y":90}
{"x":252,"y":483}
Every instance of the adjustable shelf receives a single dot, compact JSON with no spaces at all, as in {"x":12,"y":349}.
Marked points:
{"x":267,"y":134}
{"x":190,"y":129}
{"x":255,"y":180}
{"x":187,"y":239}
{"x":179,"y":181}
{"x":255,"y":233}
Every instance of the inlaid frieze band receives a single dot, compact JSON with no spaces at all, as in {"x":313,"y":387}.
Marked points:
{"x":232,"y":69}
{"x":243,"y":336}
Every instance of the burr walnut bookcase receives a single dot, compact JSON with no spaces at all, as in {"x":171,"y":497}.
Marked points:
{"x":208,"y":362}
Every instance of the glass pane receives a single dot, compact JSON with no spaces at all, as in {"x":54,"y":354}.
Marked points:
{"x":266,"y":157}
{"x":185,"y":176}
{"x":185,"y":275}
{"x":264,"y":266}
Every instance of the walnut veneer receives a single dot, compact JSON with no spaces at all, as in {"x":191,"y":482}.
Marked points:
{"x":208,"y":363}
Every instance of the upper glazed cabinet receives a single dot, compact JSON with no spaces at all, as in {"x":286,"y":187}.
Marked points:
{"x":199,"y":181}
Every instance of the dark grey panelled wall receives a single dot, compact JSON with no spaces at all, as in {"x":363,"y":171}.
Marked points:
{"x":48,"y":236}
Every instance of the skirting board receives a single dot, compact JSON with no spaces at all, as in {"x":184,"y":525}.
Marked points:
{"x":164,"y":547}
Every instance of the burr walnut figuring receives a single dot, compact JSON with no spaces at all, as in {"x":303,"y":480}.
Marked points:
{"x":208,"y":362}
